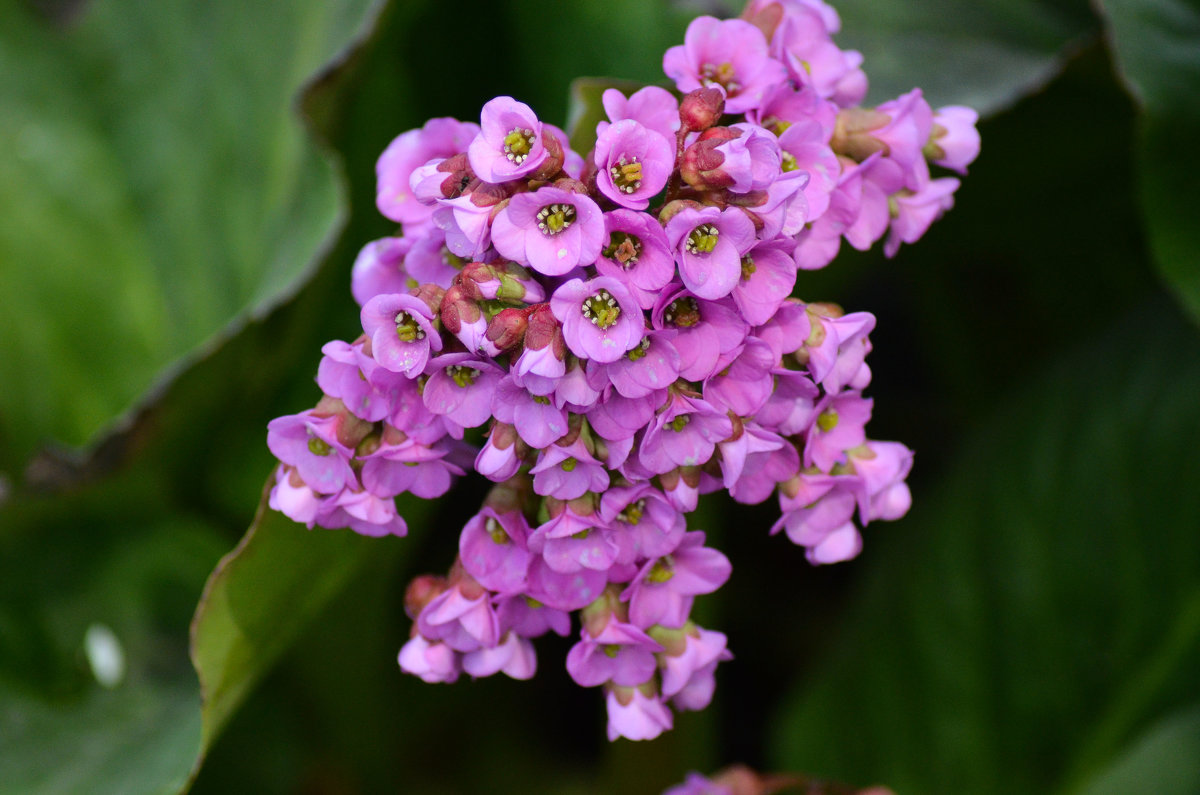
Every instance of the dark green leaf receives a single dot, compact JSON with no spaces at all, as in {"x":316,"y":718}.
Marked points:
{"x":1022,"y":625}
{"x":966,"y":52}
{"x":1165,"y":761}
{"x":156,"y":188}
{"x":261,"y":595}
{"x":1155,"y":44}
{"x":61,"y":729}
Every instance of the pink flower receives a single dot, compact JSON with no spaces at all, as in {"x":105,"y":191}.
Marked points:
{"x":729,"y":53}
{"x":636,"y":253}
{"x":379,"y":268}
{"x":600,"y":319}
{"x":709,"y":244}
{"x":633,"y":163}
{"x":551,"y":230}
{"x":651,"y":106}
{"x":431,"y":661}
{"x":401,"y":332}
{"x":509,"y":144}
{"x":954,"y":142}
{"x":634,"y":715}
{"x":439,"y":138}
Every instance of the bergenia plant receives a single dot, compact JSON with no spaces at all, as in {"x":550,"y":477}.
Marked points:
{"x":608,"y":335}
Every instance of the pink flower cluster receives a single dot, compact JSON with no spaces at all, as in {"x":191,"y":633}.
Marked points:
{"x":608,"y":337}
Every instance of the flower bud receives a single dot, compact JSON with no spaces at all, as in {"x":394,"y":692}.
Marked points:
{"x":507,"y":328}
{"x":457,"y":308}
{"x":555,"y":157}
{"x":420,"y":592}
{"x":701,"y":109}
{"x":544,"y":329}
{"x":431,"y":295}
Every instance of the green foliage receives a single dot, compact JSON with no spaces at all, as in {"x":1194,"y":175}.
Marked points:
{"x":156,"y":190}
{"x":1034,"y":625}
{"x":1155,"y":46}
{"x":1044,"y":602}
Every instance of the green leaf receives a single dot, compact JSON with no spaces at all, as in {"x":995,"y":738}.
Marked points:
{"x":1155,"y":45}
{"x":985,"y":54}
{"x":1029,"y":619}
{"x":157,"y":189}
{"x":1165,"y":761}
{"x":258,"y":599}
{"x":263,"y":594}
{"x":70,"y":727}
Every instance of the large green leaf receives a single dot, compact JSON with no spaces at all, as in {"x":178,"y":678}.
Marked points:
{"x":1156,"y":44}
{"x":1165,"y":761}
{"x":156,"y":189}
{"x":982,"y":54}
{"x":1026,"y":622}
{"x":119,"y":585}
{"x":261,"y":596}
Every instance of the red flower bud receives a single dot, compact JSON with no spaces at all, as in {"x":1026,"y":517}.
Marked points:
{"x":701,"y":109}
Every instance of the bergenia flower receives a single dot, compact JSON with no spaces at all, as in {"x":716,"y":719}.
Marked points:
{"x":600,"y":319}
{"x":622,"y":332}
{"x":439,"y":138}
{"x":653,"y":107}
{"x":632,"y":163}
{"x":401,"y":331}
{"x":709,"y":244}
{"x":731,"y":54}
{"x":551,"y":230}
{"x":636,"y":253}
{"x":509,"y":144}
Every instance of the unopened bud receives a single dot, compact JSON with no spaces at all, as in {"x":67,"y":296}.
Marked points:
{"x":488,"y":195}
{"x":555,"y":157}
{"x":701,"y":166}
{"x":852,"y":133}
{"x":457,"y":309}
{"x":701,"y":109}
{"x":544,"y":329}
{"x":431,"y":295}
{"x":458,"y":176}
{"x":507,"y":328}
{"x":673,"y":208}
{"x":420,"y":592}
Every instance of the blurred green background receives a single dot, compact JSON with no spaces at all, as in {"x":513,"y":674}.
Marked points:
{"x":183,"y":188}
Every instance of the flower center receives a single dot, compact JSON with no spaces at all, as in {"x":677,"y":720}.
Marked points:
{"x":640,"y":350}
{"x":318,"y":446}
{"x":407,"y":328}
{"x":747,"y":267}
{"x":463,"y":376}
{"x":680,"y":422}
{"x":683,"y":312}
{"x":722,"y":75}
{"x":601,"y":309}
{"x":661,"y":571}
{"x":776,"y":125}
{"x":568,"y":465}
{"x":703,"y":239}
{"x":517,"y":144}
{"x":495,"y":531}
{"x":626,"y":174}
{"x":827,"y":420}
{"x":633,"y":512}
{"x":623,"y":248}
{"x":788,"y":162}
{"x":554,"y":218}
